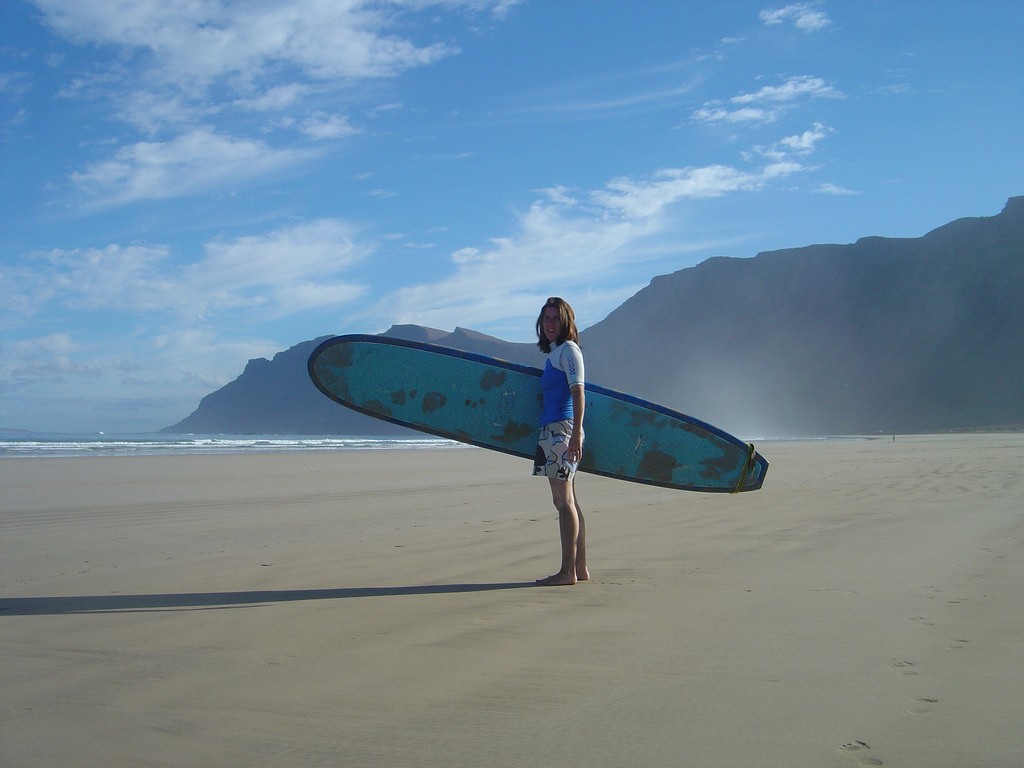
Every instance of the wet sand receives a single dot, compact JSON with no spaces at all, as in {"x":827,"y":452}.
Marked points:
{"x":377,"y":609}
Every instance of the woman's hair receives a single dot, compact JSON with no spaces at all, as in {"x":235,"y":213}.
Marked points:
{"x":568,"y":318}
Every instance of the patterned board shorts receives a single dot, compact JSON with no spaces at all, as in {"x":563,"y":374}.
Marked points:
{"x":550,"y":459}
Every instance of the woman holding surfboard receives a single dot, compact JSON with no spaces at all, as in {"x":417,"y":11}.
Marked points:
{"x":560,"y":445}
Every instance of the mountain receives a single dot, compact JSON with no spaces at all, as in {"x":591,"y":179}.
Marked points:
{"x":881,"y":335}
{"x":277,"y":397}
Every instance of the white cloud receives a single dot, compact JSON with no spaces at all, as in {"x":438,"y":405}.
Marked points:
{"x":804,"y":17}
{"x":806,"y":141}
{"x":185,"y":73}
{"x":501,"y":8}
{"x":502,"y":281}
{"x":604,"y":103}
{"x":193,"y":162}
{"x":15,"y":83}
{"x":135,"y":383}
{"x":47,"y":356}
{"x":564,"y":235}
{"x":560,"y":194}
{"x":322,"y":126}
{"x":745,"y":115}
{"x":275,"y":98}
{"x":53,"y":344}
{"x":135,"y":327}
{"x":642,"y":199}
{"x":278,"y":269}
{"x":785,"y":149}
{"x":205,"y":41}
{"x":288,"y":271}
{"x":767,"y":104}
{"x":794,"y":88}
{"x":832,"y":189}
{"x":111,"y":278}
{"x":152,"y":111}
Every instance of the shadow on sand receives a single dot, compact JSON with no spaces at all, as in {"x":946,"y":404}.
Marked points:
{"x":55,"y":606}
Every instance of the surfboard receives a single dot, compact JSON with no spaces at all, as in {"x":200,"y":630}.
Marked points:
{"x":495,"y":404}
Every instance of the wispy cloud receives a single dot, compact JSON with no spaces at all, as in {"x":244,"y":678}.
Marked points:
{"x":307,"y":261}
{"x":197,"y":161}
{"x":614,"y":90}
{"x":323,"y":126}
{"x":500,"y":8}
{"x":792,"y":89}
{"x":15,"y":83}
{"x":136,"y":383}
{"x":248,"y":276}
{"x":626,"y":100}
{"x":804,"y":16}
{"x":46,"y":357}
{"x":833,"y":189}
{"x":274,"y":99}
{"x":806,"y":141}
{"x":564,"y":232}
{"x":768,"y":103}
{"x":646,"y":198}
{"x":797,"y":145}
{"x":140,"y":322}
{"x":204,"y":42}
{"x":190,"y":77}
{"x":718,"y":114}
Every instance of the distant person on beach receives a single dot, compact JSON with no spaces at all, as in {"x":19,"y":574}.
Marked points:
{"x":560,"y":445}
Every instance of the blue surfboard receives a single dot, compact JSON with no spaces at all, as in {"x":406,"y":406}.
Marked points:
{"x":495,"y":404}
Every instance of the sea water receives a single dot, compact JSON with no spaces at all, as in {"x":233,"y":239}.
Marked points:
{"x":39,"y":445}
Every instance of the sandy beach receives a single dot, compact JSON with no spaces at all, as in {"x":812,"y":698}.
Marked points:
{"x":866,"y":607}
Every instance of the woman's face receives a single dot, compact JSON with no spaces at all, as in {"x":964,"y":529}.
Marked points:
{"x":551,"y":321}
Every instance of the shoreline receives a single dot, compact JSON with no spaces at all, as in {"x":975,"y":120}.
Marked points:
{"x":61,"y":445}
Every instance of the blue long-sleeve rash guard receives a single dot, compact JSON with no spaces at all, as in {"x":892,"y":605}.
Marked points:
{"x":562,"y":369}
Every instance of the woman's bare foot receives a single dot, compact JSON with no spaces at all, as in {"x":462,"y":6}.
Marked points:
{"x":557,"y":580}
{"x":582,"y":574}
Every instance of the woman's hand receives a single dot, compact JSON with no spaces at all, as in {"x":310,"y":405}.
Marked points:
{"x":575,"y":451}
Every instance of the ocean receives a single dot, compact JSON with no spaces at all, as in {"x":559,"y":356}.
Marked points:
{"x":15,"y":445}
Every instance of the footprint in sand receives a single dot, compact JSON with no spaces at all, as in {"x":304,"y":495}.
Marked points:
{"x":922,"y":705}
{"x":854,"y":746}
{"x":906,"y":666}
{"x":858,"y":747}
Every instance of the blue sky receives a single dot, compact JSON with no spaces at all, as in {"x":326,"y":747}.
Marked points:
{"x":187,"y":185}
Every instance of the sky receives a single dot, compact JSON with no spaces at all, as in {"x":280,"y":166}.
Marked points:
{"x":188,"y":184}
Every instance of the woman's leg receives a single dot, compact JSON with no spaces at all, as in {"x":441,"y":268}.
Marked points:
{"x":582,"y":574}
{"x":572,"y":532}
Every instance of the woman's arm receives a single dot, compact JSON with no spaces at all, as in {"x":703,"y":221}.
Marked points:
{"x":579,"y":407}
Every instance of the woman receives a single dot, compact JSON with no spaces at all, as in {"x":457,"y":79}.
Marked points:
{"x":560,"y":446}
